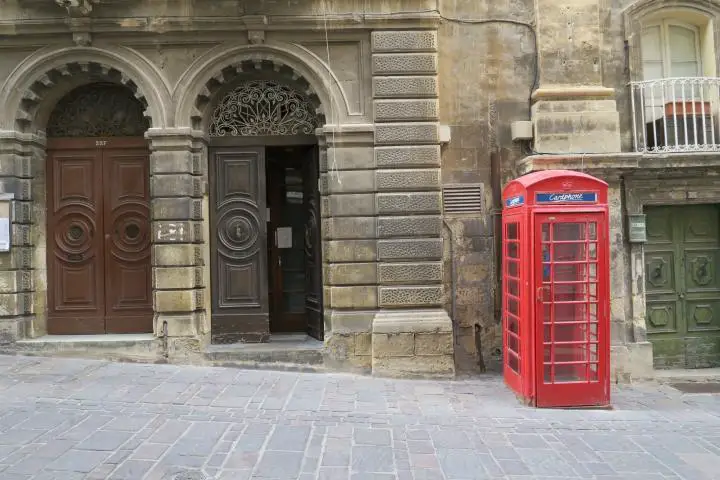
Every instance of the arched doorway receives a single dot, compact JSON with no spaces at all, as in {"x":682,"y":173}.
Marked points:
{"x":266,"y":260}
{"x":98,"y":213}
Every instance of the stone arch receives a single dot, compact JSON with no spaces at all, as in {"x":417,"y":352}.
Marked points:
{"x":641,"y":8}
{"x":34,"y":87}
{"x":213,"y":73}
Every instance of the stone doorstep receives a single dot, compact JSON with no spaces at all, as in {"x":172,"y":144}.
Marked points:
{"x":128,"y":347}
{"x":699,"y":375}
{"x":285,"y":352}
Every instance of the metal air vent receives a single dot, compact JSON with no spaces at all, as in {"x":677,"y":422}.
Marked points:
{"x":466,"y":198}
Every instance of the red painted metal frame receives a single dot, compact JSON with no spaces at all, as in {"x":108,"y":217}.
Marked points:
{"x":574,"y":349}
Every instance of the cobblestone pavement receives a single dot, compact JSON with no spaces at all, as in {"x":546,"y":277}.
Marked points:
{"x":79,"y":419}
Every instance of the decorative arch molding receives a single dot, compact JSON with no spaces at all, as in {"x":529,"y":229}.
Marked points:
{"x":224,"y":66}
{"x":34,"y":87}
{"x":643,"y":8}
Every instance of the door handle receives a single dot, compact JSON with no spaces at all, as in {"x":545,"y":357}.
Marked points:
{"x":682,"y":296}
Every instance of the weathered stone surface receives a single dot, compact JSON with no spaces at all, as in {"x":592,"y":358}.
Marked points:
{"x":173,"y":278}
{"x":340,"y":251}
{"x":176,"y":255}
{"x":406,"y":110}
{"x":351,"y":321}
{"x":171,"y":162}
{"x":408,"y":156}
{"x":352,"y":274}
{"x":349,"y":228}
{"x":175,"y":231}
{"x":409,"y":273}
{"x":406,"y":133}
{"x":410,"y":296}
{"x":409,"y":249}
{"x":405,"y":87}
{"x":415,"y":225}
{"x":348,"y":205}
{"x":347,"y":158}
{"x":434,"y":343}
{"x":176,"y":301}
{"x":398,"y":249}
{"x":405,"y":64}
{"x":407,"y":180}
{"x":393,"y":345}
{"x":349,"y":181}
{"x":173,"y":185}
{"x":410,"y":202}
{"x":176,"y":208}
{"x":352,"y":297}
{"x":404,"y":41}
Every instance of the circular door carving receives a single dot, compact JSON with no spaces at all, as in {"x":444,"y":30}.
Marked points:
{"x":238,"y":231}
{"x":74,"y":234}
{"x":130,"y":239}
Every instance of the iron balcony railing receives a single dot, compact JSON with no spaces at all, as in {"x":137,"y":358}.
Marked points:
{"x":676,"y":114}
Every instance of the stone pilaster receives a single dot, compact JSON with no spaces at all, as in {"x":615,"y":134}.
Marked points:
{"x":412,"y":334}
{"x":177,"y":185}
{"x":19,"y":163}
{"x":347,"y":166}
{"x":572,"y":111}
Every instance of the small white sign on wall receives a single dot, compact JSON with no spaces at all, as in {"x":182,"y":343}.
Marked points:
{"x":283,"y":237}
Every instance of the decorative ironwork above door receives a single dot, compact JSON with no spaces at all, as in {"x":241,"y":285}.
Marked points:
{"x":98,"y":110}
{"x":263,"y":107}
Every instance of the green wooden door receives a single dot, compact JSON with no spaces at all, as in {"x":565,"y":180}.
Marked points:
{"x":682,"y":288}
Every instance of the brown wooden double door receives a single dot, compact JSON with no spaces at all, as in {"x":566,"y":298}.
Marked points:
{"x":265,"y":246}
{"x":99,"y":237}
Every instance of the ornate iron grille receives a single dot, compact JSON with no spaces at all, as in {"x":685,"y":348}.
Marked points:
{"x":261,"y":107}
{"x":98,"y":110}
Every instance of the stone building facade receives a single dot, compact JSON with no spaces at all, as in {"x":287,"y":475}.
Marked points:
{"x":191,"y":180}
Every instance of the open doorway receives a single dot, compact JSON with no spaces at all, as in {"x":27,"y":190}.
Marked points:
{"x":294,"y":261}
{"x":266,"y":259}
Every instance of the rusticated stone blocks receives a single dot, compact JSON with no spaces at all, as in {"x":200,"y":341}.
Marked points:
{"x":412,"y":343}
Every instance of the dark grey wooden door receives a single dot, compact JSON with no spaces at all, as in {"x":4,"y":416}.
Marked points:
{"x":313,"y":253}
{"x":238,"y":236}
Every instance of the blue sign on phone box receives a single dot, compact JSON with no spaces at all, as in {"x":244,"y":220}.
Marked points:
{"x":566,"y":197}
{"x":514,"y":201}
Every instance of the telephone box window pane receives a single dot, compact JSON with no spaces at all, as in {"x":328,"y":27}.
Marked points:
{"x":592,"y":231}
{"x":545,"y":233}
{"x":512,"y":231}
{"x":513,"y":306}
{"x":592,"y":249}
{"x":513,"y":343}
{"x":568,"y":231}
{"x":513,"y":363}
{"x":570,"y":373}
{"x":513,"y":288}
{"x":512,"y":324}
{"x":512,"y":268}
{"x":513,"y":250}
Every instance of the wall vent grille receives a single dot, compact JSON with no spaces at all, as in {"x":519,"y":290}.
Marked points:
{"x":466,"y":198}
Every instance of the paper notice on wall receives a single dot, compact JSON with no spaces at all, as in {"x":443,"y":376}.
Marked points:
{"x":284,"y":237}
{"x":4,"y":234}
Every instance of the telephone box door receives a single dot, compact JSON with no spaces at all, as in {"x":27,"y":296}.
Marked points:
{"x":571,"y":330}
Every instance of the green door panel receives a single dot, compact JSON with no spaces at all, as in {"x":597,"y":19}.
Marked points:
{"x":682,"y":261}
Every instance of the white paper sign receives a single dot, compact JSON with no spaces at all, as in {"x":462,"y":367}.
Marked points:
{"x":284,"y":237}
{"x":4,"y":234}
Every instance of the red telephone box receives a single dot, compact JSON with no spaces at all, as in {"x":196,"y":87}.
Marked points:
{"x":556,"y":303}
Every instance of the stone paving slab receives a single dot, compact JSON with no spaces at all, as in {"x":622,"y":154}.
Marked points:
{"x":67,"y":419}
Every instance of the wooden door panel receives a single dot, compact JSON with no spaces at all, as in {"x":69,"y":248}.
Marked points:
{"x":313,"y":253}
{"x":75,"y":263}
{"x":128,"y":277}
{"x":238,"y":246}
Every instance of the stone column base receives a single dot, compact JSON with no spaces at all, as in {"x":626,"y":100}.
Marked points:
{"x":631,"y":362}
{"x":412,"y":343}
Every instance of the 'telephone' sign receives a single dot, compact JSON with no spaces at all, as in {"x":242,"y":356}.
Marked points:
{"x":566,"y":197}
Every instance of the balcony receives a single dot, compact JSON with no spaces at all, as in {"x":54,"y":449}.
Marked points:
{"x":675,"y":115}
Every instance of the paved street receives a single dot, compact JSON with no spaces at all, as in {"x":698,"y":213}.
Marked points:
{"x":76,"y":419}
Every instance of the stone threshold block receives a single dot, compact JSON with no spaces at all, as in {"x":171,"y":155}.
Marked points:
{"x":412,"y":343}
